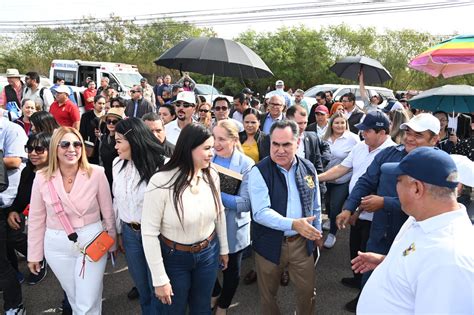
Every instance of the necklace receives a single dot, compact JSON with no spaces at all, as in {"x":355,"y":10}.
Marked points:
{"x":195,"y":188}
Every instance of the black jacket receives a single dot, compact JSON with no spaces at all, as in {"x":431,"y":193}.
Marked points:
{"x":23,"y":195}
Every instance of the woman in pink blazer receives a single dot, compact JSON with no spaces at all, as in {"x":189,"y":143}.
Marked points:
{"x":84,"y":193}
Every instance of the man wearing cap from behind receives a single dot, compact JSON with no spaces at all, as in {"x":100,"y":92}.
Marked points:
{"x":185,"y":103}
{"x":279,"y":90}
{"x":430,"y":266}
{"x":376,"y":192}
{"x":148,"y":93}
{"x":64,"y":110}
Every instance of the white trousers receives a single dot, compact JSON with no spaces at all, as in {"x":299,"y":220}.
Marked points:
{"x":65,"y":260}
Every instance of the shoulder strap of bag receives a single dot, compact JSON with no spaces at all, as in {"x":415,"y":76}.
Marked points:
{"x":58,"y":208}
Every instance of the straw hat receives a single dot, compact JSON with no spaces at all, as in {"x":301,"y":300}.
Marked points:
{"x":13,"y":73}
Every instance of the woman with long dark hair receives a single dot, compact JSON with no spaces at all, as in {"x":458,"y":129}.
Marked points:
{"x":184,"y":226}
{"x":139,"y":157}
{"x":43,"y":122}
{"x":89,"y":128}
{"x":37,"y":148}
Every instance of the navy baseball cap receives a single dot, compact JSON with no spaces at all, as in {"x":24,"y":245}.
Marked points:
{"x":374,"y":119}
{"x":427,"y":164}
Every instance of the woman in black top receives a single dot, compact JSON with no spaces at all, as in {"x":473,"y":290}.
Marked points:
{"x":107,"y":150}
{"x":37,"y":148}
{"x":89,"y":126}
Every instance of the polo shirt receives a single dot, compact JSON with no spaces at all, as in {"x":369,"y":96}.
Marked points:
{"x":66,"y":115}
{"x":359,"y":160}
{"x":428,"y":270}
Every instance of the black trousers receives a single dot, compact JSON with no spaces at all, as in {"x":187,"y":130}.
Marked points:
{"x":8,"y":282}
{"x":231,"y":281}
{"x":16,"y":240}
{"x":358,"y":241}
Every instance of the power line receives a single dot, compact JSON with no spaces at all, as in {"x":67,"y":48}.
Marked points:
{"x":257,"y":17}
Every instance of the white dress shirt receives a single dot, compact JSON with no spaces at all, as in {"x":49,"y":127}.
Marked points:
{"x":172,"y":131}
{"x":128,"y":194}
{"x":428,"y":270}
{"x":340,"y":149}
{"x":359,"y":160}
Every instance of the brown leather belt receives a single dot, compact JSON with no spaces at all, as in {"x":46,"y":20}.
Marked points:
{"x":134,"y":226}
{"x":194,"y":248}
{"x":291,"y":238}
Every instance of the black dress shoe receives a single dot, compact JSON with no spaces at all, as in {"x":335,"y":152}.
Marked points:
{"x":285,"y":278}
{"x":250,"y":277}
{"x":351,"y":282}
{"x":133,"y":294}
{"x":352,"y":305}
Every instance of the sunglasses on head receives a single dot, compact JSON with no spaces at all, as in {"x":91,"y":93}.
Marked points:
{"x":185,"y":105}
{"x":220,"y":108}
{"x":204,"y":111}
{"x":38,"y":149}
{"x":111,"y":121}
{"x":67,"y":144}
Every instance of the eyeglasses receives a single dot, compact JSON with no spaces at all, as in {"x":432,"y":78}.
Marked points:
{"x":345,"y":101}
{"x":133,"y":91}
{"x":220,"y":108}
{"x":38,"y":149}
{"x":111,"y":121}
{"x":276,"y":104}
{"x":204,"y":111}
{"x":185,"y":105}
{"x":67,"y":144}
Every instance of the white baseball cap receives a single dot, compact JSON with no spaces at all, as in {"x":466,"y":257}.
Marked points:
{"x":423,"y":122}
{"x":187,"y":97}
{"x":62,"y":89}
{"x":465,"y":169}
{"x":279,"y":82}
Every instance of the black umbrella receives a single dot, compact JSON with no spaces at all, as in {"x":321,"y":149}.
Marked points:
{"x":350,"y":67}
{"x":217,"y":56}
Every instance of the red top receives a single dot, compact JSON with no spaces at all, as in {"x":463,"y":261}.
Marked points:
{"x":65,"y":115}
{"x":89,"y":93}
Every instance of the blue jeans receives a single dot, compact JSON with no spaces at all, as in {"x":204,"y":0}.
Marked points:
{"x":336,"y":195}
{"x":192,"y":278}
{"x":138,"y":268}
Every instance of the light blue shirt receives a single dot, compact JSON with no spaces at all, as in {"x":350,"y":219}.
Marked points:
{"x":135,"y":109}
{"x":260,"y":201}
{"x":12,"y":141}
{"x":267,"y":124}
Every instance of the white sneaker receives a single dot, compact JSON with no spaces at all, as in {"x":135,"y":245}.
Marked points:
{"x":326,"y":225}
{"x":330,"y":241}
{"x":16,"y":311}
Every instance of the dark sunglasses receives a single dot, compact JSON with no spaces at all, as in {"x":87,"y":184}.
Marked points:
{"x":67,"y":144}
{"x":220,"y":108}
{"x":204,"y":111}
{"x":38,"y":149}
{"x":111,"y":121}
{"x":185,"y":105}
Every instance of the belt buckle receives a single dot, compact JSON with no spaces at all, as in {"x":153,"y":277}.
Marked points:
{"x":135,"y":226}
{"x":195,"y":248}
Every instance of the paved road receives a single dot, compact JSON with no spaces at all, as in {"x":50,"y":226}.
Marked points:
{"x":45,"y":297}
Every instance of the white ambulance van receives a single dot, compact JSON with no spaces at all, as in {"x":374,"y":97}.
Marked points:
{"x":74,"y":72}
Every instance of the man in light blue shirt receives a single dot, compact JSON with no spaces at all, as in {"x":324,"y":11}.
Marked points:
{"x":276,"y":105}
{"x":286,"y":208}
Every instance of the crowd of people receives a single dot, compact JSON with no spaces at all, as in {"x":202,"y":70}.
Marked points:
{"x":187,"y":188}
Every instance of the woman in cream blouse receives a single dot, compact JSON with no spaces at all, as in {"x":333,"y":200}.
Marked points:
{"x":184,"y":225}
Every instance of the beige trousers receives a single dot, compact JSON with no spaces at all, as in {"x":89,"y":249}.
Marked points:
{"x":301,"y":270}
